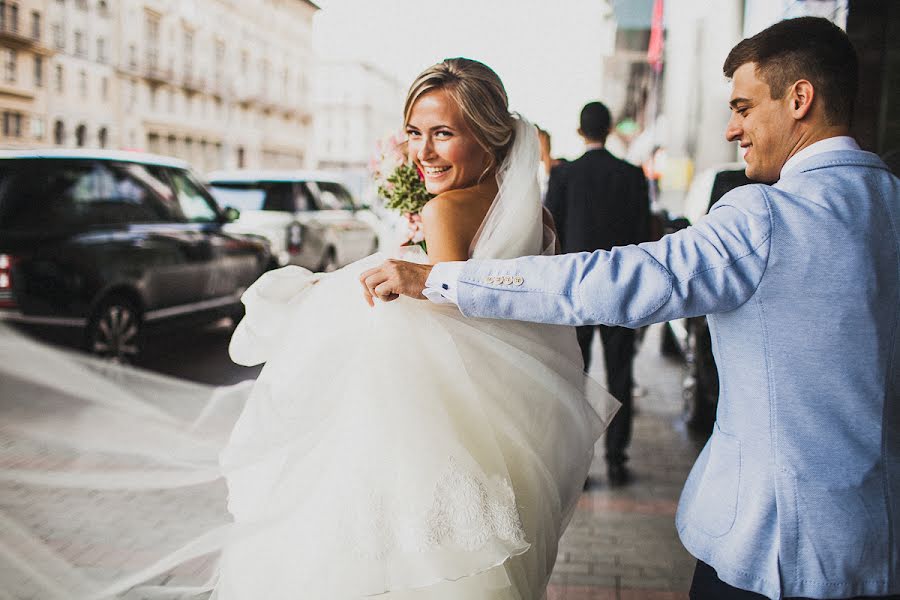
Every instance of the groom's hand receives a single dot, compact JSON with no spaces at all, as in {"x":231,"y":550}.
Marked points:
{"x":394,"y":278}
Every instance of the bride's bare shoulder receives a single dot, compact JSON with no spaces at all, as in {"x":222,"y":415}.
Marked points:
{"x":451,"y":220}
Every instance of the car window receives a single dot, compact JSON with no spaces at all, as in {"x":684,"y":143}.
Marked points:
{"x":193,"y":202}
{"x":334,"y":196}
{"x":243,"y":197}
{"x":262,"y":195}
{"x":58,"y":195}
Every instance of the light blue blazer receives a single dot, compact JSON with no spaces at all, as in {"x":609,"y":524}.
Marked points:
{"x":797,"y":492}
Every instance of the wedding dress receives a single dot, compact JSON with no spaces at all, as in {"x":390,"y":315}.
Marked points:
{"x":402,"y":451}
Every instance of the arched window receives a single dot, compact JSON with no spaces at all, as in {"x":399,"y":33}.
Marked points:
{"x":59,"y":133}
{"x":80,"y":135}
{"x":101,"y":137}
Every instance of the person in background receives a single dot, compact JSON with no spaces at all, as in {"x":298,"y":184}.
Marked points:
{"x":598,"y":202}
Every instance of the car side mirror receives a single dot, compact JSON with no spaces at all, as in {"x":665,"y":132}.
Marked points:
{"x":231,"y":214}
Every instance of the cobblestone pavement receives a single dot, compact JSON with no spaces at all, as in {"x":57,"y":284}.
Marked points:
{"x":621,"y":543}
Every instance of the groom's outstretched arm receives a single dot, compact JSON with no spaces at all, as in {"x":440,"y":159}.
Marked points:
{"x":714,"y":266}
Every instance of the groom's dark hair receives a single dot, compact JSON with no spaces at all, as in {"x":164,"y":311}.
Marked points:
{"x":595,"y":121}
{"x":810,"y":48}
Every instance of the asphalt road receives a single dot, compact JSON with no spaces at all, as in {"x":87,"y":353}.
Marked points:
{"x":197,"y":354}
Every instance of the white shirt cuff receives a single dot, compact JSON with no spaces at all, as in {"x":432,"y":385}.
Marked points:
{"x":442,"y":284}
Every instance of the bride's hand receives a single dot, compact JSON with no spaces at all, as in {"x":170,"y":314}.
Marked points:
{"x":394,"y":278}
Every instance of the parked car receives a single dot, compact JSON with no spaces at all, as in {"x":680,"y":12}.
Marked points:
{"x":98,"y":247}
{"x":690,"y":337}
{"x":310,"y":219}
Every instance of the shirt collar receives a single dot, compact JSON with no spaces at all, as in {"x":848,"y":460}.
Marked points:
{"x":840,"y":142}
{"x":593,"y":146}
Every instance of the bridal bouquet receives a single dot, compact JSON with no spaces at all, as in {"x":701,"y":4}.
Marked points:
{"x":401,"y":185}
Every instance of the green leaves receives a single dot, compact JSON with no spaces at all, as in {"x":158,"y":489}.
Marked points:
{"x":404,"y":191}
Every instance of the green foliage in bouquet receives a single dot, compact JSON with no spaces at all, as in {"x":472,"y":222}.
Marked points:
{"x":404,"y":191}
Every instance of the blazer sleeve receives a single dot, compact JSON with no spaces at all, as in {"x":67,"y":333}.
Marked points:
{"x":714,"y":266}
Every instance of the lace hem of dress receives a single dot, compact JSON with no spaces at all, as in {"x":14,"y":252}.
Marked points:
{"x":466,"y":514}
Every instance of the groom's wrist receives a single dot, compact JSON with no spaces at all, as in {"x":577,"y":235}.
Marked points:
{"x":442,"y":284}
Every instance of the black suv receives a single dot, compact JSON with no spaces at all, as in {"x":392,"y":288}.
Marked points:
{"x":97,"y":247}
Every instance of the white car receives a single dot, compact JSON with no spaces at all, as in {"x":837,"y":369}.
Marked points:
{"x":310,"y":219}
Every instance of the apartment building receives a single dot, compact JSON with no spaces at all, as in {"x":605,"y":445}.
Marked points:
{"x":24,"y":73}
{"x":356,"y":104}
{"x":220,"y":83}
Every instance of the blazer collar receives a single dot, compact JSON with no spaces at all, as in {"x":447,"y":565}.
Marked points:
{"x":838,"y":158}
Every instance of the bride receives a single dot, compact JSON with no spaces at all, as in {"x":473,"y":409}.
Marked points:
{"x":411,"y":450}
{"x":398,"y":450}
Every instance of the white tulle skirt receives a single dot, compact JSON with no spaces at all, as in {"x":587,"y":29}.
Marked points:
{"x":402,"y":450}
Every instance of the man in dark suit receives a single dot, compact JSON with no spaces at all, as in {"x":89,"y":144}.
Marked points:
{"x":599,"y":202}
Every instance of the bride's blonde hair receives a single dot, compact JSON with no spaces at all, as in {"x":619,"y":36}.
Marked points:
{"x":481,"y":98}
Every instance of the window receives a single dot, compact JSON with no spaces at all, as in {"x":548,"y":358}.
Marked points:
{"x":188,"y":49}
{"x":334,"y":196}
{"x":152,"y":34}
{"x":82,"y":193}
{"x":12,"y":124}
{"x":101,"y":50}
{"x":60,"y":79}
{"x":35,"y":25}
{"x":59,"y":133}
{"x":82,"y":83}
{"x":37,"y":128}
{"x":3,"y":23}
{"x":193,"y":202}
{"x":102,"y":136}
{"x":59,"y":36}
{"x":82,"y":4}
{"x":10,"y":61}
{"x":104,"y":88}
{"x":38,"y":71}
{"x":79,"y":44}
{"x":13,"y":16}
{"x":80,"y":135}
{"x":103,"y":8}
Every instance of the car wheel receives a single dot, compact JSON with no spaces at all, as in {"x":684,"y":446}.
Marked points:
{"x":114,"y":331}
{"x":329,"y":262}
{"x":700,"y":389}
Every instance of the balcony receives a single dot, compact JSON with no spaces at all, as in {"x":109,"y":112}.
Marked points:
{"x":11,"y":35}
{"x":156,"y":74}
{"x":193,"y":82}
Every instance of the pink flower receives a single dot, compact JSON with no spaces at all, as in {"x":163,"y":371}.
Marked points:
{"x":416,"y":233}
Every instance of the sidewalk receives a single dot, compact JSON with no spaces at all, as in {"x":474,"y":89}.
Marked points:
{"x":621,"y":543}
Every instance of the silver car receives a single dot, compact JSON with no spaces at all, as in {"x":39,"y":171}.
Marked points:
{"x":310,"y":219}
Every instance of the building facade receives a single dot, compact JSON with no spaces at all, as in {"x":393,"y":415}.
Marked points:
{"x":356,"y":104}
{"x":24,"y":73}
{"x":219,"y":83}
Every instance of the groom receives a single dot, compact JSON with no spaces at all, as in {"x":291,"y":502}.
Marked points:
{"x":797,"y":492}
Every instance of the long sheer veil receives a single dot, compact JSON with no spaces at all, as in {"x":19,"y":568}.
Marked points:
{"x":513,"y":226}
{"x":111,"y":481}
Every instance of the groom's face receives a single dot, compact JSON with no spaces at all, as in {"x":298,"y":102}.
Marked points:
{"x":763,"y":126}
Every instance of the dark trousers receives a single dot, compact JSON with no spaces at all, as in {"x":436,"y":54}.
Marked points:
{"x":707,"y":586}
{"x":618,"y":354}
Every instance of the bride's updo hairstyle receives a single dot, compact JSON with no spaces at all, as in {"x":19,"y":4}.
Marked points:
{"x":481,"y":98}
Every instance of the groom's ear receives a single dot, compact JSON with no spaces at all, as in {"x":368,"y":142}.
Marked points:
{"x":800,"y":97}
